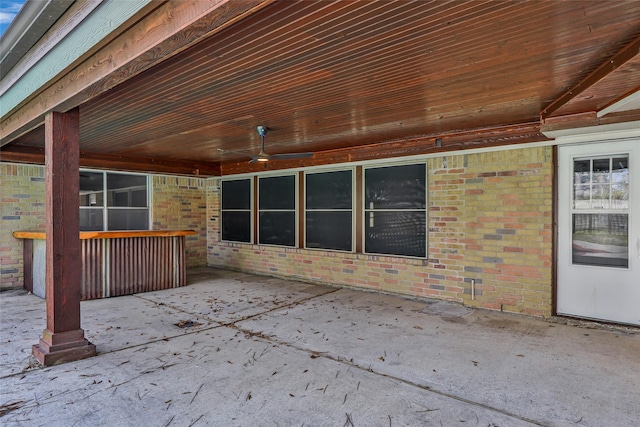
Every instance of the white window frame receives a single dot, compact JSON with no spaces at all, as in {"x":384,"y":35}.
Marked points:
{"x":105,"y":207}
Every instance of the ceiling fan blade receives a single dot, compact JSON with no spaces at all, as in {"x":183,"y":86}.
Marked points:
{"x":291,"y":156}
{"x":263,"y":157}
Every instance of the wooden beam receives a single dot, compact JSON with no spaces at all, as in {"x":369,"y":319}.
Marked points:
{"x":168,"y":30}
{"x":626,"y":54}
{"x":590,"y":119}
{"x":424,"y":144}
{"x":62,"y":340}
{"x":35,"y":155}
{"x":85,"y":235}
{"x":20,"y":154}
{"x":148,"y":164}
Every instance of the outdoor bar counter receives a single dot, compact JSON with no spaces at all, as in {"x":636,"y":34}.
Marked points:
{"x":114,"y":263}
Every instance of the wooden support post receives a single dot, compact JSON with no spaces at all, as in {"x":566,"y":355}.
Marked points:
{"x":62,"y":340}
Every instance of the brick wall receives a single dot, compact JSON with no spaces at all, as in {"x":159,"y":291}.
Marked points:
{"x":490,"y":222}
{"x":213,"y":221}
{"x":181,"y":203}
{"x":21,"y":208}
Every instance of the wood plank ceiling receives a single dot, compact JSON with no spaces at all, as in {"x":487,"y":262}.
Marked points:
{"x":327,"y":76}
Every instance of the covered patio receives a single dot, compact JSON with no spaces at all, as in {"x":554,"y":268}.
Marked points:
{"x":238,"y":349}
{"x":476,"y":110}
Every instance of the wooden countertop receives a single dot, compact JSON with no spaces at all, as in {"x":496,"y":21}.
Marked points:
{"x":40,"y":235}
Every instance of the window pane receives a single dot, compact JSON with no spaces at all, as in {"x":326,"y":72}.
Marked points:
{"x":582,"y":170}
{"x":620,"y":196}
{"x":236,"y":194}
{"x":277,"y":193}
{"x":91,"y":219}
{"x":329,"y":230}
{"x":620,"y":186}
{"x":600,"y":170}
{"x":91,"y":188}
{"x":396,"y":187}
{"x":600,"y":196}
{"x":395,"y":233}
{"x":329,"y":190}
{"x":128,"y":219}
{"x":601,"y":240}
{"x":236,"y":226}
{"x":126,"y":190}
{"x":277,"y":228}
{"x":582,"y":196}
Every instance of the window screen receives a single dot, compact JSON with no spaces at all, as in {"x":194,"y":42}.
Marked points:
{"x":277,"y":210}
{"x":236,"y":210}
{"x":329,"y":210}
{"x":395,"y":211}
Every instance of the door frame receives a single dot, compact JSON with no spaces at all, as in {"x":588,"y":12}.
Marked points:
{"x":595,"y":138}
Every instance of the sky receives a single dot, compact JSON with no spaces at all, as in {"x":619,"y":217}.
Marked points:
{"x":8,"y":10}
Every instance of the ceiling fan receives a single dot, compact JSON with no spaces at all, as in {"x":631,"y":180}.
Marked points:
{"x":264,"y":157}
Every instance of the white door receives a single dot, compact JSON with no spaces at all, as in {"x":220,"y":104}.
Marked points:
{"x":599,"y":231}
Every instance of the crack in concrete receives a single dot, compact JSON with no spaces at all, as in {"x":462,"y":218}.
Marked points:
{"x":349,"y":362}
{"x":314,"y":354}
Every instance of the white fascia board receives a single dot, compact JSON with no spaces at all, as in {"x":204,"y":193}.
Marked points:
{"x":596,"y":133}
{"x":630,"y":102}
{"x":98,"y":25}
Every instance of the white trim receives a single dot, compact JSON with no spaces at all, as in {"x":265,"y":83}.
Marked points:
{"x":105,"y":207}
{"x":619,"y":105}
{"x":596,"y":133}
{"x":590,"y":291}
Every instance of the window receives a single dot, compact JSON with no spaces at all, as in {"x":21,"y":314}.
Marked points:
{"x":329,"y":210}
{"x":600,"y":211}
{"x":395,"y":211}
{"x":277,"y":210}
{"x":236,"y":210}
{"x":116,"y":199}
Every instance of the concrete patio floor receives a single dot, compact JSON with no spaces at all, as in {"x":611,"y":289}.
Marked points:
{"x":233,"y":349}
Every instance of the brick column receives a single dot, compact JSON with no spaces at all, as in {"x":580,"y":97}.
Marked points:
{"x":63,"y":340}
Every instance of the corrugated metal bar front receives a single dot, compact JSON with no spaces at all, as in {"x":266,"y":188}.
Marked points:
{"x":127,"y":266}
{"x":180,"y":261}
{"x":142,"y":264}
{"x":114,"y":264}
{"x":161,"y":265}
{"x":93,"y":279}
